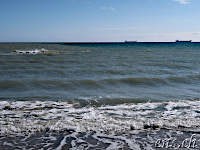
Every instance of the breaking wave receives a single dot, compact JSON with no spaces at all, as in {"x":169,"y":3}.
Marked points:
{"x":31,"y":116}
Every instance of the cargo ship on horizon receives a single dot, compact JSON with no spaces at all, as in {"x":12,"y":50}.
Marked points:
{"x":130,"y":41}
{"x":183,"y":41}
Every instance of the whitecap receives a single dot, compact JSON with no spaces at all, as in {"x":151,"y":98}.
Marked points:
{"x":35,"y":51}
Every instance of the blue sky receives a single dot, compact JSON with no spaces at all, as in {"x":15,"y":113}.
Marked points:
{"x":99,"y":20}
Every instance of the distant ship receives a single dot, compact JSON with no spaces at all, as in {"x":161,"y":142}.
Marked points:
{"x":130,"y":41}
{"x":184,"y":41}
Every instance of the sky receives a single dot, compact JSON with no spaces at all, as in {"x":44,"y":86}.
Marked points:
{"x":99,"y":20}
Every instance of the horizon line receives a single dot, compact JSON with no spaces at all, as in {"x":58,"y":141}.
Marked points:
{"x":126,"y":42}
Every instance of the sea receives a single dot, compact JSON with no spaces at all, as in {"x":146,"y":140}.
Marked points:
{"x":113,"y":96}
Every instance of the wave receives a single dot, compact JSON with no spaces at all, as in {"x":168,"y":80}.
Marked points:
{"x":36,"y":51}
{"x":22,"y":116}
{"x":155,"y":81}
{"x":12,"y":84}
{"x":44,"y":51}
{"x":26,"y":81}
{"x":31,"y":51}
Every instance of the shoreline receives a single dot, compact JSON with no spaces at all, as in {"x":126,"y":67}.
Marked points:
{"x":135,"y":139}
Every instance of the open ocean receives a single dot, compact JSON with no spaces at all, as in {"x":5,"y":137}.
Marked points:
{"x":99,"y":96}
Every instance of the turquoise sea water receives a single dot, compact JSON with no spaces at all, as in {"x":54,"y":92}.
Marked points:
{"x":91,"y":88}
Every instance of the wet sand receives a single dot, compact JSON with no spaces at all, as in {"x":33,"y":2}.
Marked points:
{"x":135,"y":139}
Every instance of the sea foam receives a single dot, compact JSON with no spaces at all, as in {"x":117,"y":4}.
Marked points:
{"x":32,"y":116}
{"x":36,"y":51}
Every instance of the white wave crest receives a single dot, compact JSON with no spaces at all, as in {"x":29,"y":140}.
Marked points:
{"x":36,"y":51}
